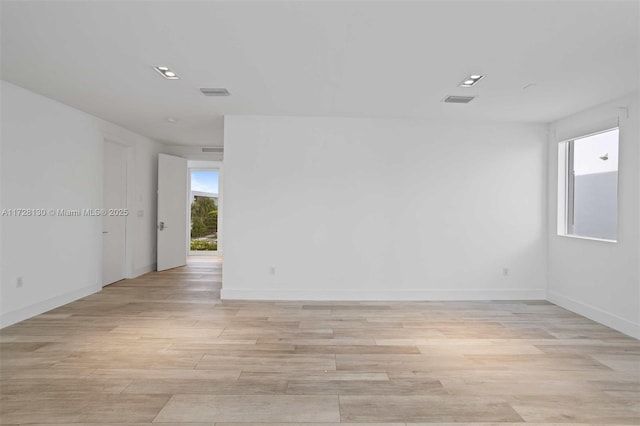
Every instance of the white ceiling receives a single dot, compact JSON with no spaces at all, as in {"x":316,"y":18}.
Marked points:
{"x":372,"y":59}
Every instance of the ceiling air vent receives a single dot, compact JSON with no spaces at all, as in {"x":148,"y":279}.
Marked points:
{"x":220,"y":91}
{"x":213,"y":149}
{"x":458,"y":99}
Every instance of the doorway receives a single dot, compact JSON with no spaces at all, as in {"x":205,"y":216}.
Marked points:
{"x":204,"y":199}
{"x":114,"y":226}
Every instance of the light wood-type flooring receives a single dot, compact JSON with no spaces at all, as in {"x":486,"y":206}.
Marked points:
{"x":164,"y":349}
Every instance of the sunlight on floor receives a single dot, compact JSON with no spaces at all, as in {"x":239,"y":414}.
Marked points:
{"x":198,"y":259}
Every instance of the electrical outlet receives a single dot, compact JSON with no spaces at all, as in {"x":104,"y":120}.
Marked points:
{"x":505,"y":272}
{"x":19,"y":282}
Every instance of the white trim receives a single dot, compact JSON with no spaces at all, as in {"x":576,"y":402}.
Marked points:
{"x":382,"y":295}
{"x":8,"y":318}
{"x":561,"y":206}
{"x":568,"y":131}
{"x":596,"y":314}
{"x":204,"y":164}
{"x":580,"y":237}
{"x":565,"y":162}
{"x":597,"y":132}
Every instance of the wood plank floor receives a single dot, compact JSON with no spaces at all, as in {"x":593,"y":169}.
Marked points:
{"x":164,"y":349}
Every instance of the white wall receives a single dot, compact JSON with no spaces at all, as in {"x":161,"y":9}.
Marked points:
{"x":600,"y":280}
{"x":383,"y":209}
{"x":51,"y":157}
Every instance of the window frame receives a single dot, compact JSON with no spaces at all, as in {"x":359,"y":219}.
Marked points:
{"x":566,"y":192}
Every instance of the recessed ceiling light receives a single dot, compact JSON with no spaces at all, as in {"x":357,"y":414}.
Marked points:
{"x":471,"y":80}
{"x":167,"y":73}
{"x":172,"y":120}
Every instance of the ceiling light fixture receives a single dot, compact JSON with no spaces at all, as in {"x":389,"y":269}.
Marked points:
{"x":471,"y":80}
{"x":167,"y":73}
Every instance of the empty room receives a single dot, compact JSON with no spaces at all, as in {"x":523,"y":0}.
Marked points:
{"x":319,"y":212}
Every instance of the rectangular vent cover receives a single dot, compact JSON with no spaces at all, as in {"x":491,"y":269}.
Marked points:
{"x":214,"y":91}
{"x":458,"y":99}
{"x":213,"y":149}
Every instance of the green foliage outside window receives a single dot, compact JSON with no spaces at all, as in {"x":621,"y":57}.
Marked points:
{"x":204,"y":245}
{"x":204,"y":218}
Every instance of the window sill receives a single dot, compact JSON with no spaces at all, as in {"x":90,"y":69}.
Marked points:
{"x":579,"y":237}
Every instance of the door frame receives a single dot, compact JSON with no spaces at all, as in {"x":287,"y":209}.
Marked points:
{"x":171,"y":158}
{"x":204,"y":165}
{"x":130,"y":202}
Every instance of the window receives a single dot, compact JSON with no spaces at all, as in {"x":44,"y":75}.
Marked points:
{"x":588,"y":169}
{"x":204,"y":211}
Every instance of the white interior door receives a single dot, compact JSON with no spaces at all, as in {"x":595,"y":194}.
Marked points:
{"x":172,"y":212}
{"x":114,"y":227}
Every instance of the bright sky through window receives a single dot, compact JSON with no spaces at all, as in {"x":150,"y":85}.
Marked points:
{"x":204,"y":181}
{"x":590,"y":151}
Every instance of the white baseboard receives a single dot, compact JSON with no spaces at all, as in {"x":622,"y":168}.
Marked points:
{"x":382,"y":295}
{"x":8,"y":318}
{"x":144,"y":270}
{"x":603,"y":317}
